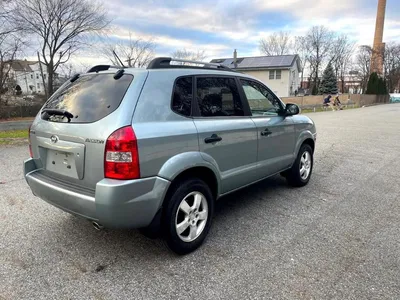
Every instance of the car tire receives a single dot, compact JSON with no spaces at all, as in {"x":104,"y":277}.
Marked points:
{"x":186,"y":225}
{"x":297,"y":176}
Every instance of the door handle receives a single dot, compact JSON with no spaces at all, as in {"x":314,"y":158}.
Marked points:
{"x":212,"y":139}
{"x":266,"y":132}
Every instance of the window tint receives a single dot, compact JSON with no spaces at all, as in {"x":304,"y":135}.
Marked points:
{"x":182,"y":98}
{"x":261,"y":101}
{"x":218,"y":96}
{"x":89,"y":98}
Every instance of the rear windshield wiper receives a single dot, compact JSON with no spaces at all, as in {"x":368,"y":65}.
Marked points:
{"x":58,"y":112}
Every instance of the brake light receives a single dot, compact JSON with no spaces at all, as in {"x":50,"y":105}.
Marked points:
{"x":121,"y":158}
{"x":29,"y":140}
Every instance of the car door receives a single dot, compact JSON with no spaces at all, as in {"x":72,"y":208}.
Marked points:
{"x":227,"y":135}
{"x":276,"y":133}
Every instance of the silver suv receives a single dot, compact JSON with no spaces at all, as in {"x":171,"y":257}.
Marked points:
{"x":155,"y":148}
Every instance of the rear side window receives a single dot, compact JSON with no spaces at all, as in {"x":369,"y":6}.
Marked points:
{"x":183,"y":95}
{"x":218,"y":96}
{"x":88,"y":99}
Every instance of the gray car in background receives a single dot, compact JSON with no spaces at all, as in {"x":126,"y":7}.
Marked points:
{"x":155,"y":148}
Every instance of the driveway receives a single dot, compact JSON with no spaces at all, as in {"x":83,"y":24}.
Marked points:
{"x":15,"y":125}
{"x":337,"y":238}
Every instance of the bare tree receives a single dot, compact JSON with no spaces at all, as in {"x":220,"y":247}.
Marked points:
{"x":391,"y":65}
{"x":135,"y":52}
{"x":301,"y":50}
{"x":10,"y":46}
{"x":341,"y":57}
{"x":278,"y":43}
{"x":5,"y":11}
{"x":61,"y":25}
{"x":362,"y":65}
{"x":318,"y":43}
{"x":198,"y":55}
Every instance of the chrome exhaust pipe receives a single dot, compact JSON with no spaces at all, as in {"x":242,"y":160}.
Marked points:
{"x":97,"y":226}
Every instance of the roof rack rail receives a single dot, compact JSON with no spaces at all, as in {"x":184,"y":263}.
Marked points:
{"x":165,"y":63}
{"x":99,"y":68}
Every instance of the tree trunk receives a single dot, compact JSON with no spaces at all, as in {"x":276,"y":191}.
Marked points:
{"x":343,"y":85}
{"x":50,"y":73}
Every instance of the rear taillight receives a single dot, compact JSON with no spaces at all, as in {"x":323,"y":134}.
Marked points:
{"x":29,"y":140}
{"x":121,"y":158}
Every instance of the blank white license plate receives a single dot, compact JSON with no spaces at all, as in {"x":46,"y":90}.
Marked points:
{"x":61,"y":162}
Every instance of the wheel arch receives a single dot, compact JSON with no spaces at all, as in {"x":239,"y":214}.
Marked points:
{"x":190,"y":164}
{"x":306,"y":137}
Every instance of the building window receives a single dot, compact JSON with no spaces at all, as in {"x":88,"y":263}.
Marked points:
{"x":31,"y":76}
{"x":37,"y":76}
{"x":44,"y":76}
{"x":278,"y":74}
{"x":38,"y":85}
{"x":271,"y":74}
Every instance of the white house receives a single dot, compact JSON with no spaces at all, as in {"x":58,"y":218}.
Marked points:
{"x":27,"y":76}
{"x":279,"y":73}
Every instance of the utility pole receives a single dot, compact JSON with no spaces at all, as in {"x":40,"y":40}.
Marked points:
{"x":41,"y":72}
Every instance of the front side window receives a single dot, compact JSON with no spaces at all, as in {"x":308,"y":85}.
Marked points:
{"x":182,"y":97}
{"x":261,"y":101}
{"x":218,"y":97}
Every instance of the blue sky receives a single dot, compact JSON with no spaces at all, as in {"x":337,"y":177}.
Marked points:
{"x":218,"y":27}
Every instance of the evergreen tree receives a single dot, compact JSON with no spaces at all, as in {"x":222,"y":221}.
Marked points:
{"x":376,"y":85}
{"x":329,"y":82}
{"x":373,"y":82}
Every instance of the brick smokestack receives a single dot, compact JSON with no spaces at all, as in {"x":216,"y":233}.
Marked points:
{"x":379,"y":46}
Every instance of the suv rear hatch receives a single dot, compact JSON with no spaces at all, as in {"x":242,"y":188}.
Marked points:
{"x":69,"y":134}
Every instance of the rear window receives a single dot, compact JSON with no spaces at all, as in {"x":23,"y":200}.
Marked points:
{"x":88,"y":99}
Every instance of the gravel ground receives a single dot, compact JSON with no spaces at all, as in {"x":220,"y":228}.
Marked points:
{"x":337,"y":238}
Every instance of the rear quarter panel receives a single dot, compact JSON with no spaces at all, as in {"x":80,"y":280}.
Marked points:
{"x":163,"y":136}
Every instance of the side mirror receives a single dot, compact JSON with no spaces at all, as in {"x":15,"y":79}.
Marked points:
{"x":292,"y":109}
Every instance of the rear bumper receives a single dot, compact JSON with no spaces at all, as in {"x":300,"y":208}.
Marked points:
{"x":114,"y":203}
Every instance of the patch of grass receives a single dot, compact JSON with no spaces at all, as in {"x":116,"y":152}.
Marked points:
{"x":320,"y":109}
{"x":13,"y":134}
{"x":13,"y":137}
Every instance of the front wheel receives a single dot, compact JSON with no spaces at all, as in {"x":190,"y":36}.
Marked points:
{"x":300,"y":173}
{"x":187,"y":216}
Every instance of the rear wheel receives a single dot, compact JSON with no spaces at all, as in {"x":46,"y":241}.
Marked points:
{"x":187,"y":216}
{"x":300,"y":173}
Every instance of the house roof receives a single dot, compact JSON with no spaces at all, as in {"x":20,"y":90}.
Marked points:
{"x":22,"y":65}
{"x":261,"y":62}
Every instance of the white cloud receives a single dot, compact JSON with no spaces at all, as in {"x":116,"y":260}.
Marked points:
{"x":170,"y":42}
{"x":205,"y":17}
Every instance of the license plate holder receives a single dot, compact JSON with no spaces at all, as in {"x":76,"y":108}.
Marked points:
{"x":62,"y":163}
